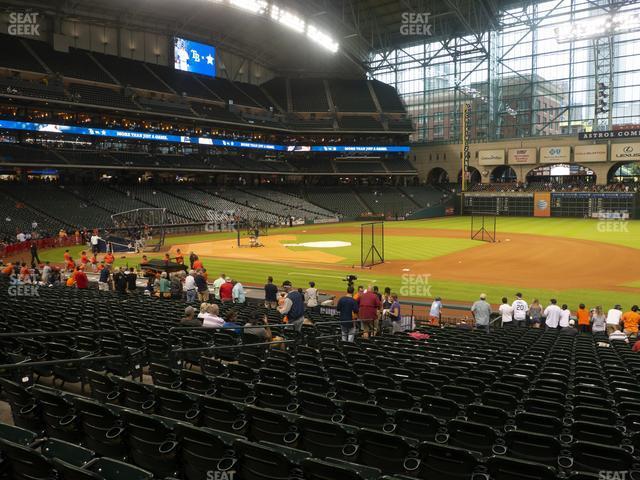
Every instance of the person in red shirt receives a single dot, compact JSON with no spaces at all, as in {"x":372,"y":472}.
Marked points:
{"x":226,"y":289}
{"x":83,"y":258}
{"x":82,"y":281}
{"x":66,"y":256}
{"x":108,"y":258}
{"x":197,"y":264}
{"x":8,"y":269}
{"x":368,"y":310}
{"x":179,"y":257}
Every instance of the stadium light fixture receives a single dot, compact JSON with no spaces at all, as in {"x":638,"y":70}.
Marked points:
{"x":258,"y":7}
{"x":288,"y":19}
{"x":322,"y":39}
{"x":600,"y":26}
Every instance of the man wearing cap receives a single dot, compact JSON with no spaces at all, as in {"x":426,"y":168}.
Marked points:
{"x":481,"y":311}
{"x":570,"y":329}
{"x":293,"y":306}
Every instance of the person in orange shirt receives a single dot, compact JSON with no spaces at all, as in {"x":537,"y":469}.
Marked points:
{"x":8,"y":269}
{"x":83,"y":258}
{"x":24,"y":272}
{"x":101,"y":266}
{"x":197,"y":264}
{"x":66,"y":256}
{"x":179,"y":257}
{"x":108,"y":258}
{"x":94,"y":262}
{"x":584,"y":318}
{"x":631,"y":320}
{"x":71,"y":265}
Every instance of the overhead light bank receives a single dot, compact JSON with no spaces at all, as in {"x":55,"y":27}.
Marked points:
{"x":284,"y":17}
{"x":600,"y":26}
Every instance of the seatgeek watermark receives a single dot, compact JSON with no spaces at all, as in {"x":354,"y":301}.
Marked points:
{"x":613,"y":475}
{"x":18,"y":288}
{"x":415,"y":24}
{"x":415,"y":285}
{"x":612,"y":221}
{"x":221,"y":475}
{"x":24,"y":24}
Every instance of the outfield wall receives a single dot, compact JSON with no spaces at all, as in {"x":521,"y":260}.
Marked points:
{"x":553,"y":204}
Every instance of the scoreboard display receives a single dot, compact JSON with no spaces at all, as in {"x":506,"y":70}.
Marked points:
{"x":194,"y":57}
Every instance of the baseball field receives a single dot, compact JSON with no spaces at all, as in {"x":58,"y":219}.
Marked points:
{"x":573,"y":260}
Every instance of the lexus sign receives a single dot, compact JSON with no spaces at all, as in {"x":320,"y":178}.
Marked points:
{"x":624,"y":152}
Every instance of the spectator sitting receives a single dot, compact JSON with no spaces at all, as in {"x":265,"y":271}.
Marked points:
{"x":189,"y":319}
{"x":203,"y":310}
{"x":570,"y":329}
{"x":261,"y":330}
{"x":211,"y":318}
{"x":618,"y":335}
{"x":231,"y":322}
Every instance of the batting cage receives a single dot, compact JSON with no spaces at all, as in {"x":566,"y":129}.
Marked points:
{"x":371,"y":244}
{"x":483,"y":227}
{"x":142,"y":229}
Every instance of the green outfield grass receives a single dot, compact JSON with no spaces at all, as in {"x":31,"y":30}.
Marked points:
{"x":398,"y":247}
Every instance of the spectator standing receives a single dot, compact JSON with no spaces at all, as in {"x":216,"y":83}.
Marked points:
{"x":202,"y":287}
{"x":120,"y":281}
{"x":565,"y":316}
{"x":217,"y":283}
{"x":192,"y":258}
{"x":552,"y":315}
{"x":176,"y":285}
{"x":369,"y":307}
{"x":238,"y":293}
{"x":164,"y":287}
{"x":394,"y":314}
{"x":598,"y":320}
{"x":293,"y":306}
{"x":132,"y":287}
{"x":346,"y":307}
{"x":226,"y":291}
{"x":582,"y":314}
{"x":190,"y":287}
{"x":46,"y":272}
{"x":614,"y":315}
{"x":270,"y":294}
{"x":311,"y":296}
{"x":630,"y":321}
{"x":435,"y":312}
{"x":520,"y":309}
{"x":535,"y":313}
{"x":506,"y":311}
{"x":104,"y":279}
{"x":481,"y":311}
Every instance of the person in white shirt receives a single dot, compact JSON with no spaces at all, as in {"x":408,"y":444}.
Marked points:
{"x":211,"y":317}
{"x":613,"y":319}
{"x":190,"y":287}
{"x":506,"y":311}
{"x":552,"y":314}
{"x":237,"y":292}
{"x":203,"y":310}
{"x":565,"y":316}
{"x":21,"y":237}
{"x":520,"y":310}
{"x":216,"y":285}
{"x":435,"y":311}
{"x":311,"y":296}
{"x":95,"y":240}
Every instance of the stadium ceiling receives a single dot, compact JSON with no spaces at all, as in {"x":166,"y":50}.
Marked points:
{"x":359,"y":26}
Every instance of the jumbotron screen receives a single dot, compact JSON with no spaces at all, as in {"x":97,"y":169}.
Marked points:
{"x":195,"y":57}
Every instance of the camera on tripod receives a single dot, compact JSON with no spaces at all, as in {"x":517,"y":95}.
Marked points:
{"x":350,"y":279}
